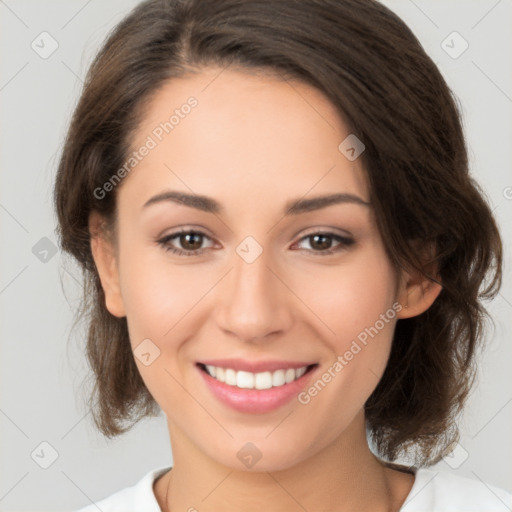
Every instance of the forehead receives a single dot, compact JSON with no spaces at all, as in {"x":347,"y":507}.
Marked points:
{"x":249,"y":133}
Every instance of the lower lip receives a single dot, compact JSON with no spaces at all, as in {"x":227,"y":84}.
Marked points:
{"x":255,"y":400}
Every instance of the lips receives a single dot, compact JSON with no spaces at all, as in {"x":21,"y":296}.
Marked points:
{"x":255,"y":387}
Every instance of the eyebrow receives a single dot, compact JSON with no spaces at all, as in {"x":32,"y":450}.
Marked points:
{"x":292,"y":207}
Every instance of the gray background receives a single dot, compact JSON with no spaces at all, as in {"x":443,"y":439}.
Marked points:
{"x":41,"y":371}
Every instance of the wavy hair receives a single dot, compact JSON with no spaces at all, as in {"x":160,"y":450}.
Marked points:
{"x":375,"y":72}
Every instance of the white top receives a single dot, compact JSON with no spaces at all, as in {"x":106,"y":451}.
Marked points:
{"x":432,"y":491}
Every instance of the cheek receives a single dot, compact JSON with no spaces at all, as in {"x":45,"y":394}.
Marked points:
{"x":159,"y":300}
{"x":155,"y":301}
{"x":156,"y":292}
{"x":356,"y":303}
{"x":351,"y":297}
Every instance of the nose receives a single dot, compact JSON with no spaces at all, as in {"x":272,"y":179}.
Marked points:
{"x":254,"y":302}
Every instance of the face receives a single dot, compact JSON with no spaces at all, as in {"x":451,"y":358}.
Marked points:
{"x":244,"y":282}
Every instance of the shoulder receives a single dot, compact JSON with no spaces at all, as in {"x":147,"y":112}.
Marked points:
{"x":137,"y":497}
{"x":440,"y":490}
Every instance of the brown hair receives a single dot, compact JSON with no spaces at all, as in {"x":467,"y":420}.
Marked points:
{"x":389,"y":92}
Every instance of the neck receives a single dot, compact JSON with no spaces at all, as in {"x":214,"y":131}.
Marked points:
{"x":343,"y":476}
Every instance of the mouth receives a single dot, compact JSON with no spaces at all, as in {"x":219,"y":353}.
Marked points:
{"x":255,"y":380}
{"x":267,"y":387}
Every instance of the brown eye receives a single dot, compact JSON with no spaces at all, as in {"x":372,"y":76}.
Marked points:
{"x":186,"y":243}
{"x":191,"y":241}
{"x":326,"y":243}
{"x":320,"y":242}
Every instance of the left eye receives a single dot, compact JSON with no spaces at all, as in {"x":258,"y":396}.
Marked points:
{"x":320,"y":243}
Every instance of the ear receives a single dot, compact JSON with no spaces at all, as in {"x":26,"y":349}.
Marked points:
{"x":417,"y":292}
{"x":104,"y":254}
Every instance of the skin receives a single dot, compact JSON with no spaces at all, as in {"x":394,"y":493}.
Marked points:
{"x":253,"y":143}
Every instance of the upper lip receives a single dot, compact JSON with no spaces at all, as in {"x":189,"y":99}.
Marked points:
{"x":256,"y":366}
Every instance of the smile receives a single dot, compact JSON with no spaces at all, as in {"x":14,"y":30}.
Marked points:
{"x":255,"y":387}
{"x":250,"y":380}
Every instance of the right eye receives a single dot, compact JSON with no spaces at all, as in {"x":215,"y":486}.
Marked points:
{"x":188,"y":239}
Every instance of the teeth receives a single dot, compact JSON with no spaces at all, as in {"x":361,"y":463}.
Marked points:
{"x":263,"y":380}
{"x":230,"y":377}
{"x":289,"y":375}
{"x":245,"y":380}
{"x":278,"y":378}
{"x":300,"y":372}
{"x":249,"y":380}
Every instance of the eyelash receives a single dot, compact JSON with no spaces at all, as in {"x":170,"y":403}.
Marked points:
{"x":344,"y":242}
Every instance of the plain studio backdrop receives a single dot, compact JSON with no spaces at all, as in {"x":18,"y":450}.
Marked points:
{"x":52,"y":458}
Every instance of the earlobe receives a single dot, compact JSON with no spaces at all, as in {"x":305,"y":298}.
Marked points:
{"x":104,"y":256}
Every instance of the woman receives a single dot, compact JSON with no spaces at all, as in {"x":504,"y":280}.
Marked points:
{"x":284,"y":251}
